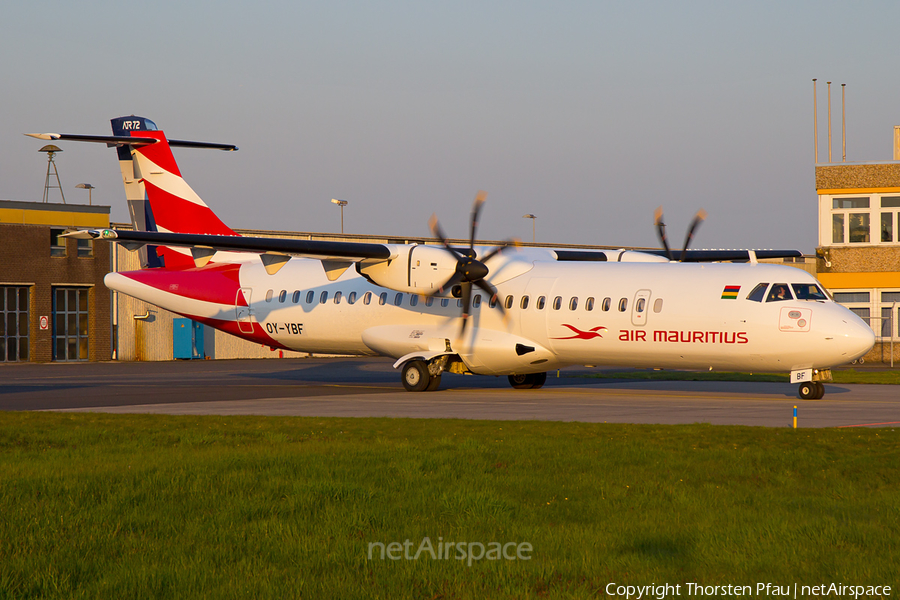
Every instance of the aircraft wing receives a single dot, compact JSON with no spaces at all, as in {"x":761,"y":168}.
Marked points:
{"x":689,"y":256}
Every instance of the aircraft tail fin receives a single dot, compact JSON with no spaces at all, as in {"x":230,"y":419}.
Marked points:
{"x":159,"y":199}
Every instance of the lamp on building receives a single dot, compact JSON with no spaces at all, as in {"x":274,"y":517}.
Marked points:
{"x":88,"y":187}
{"x":533,"y":230}
{"x":342,"y":204}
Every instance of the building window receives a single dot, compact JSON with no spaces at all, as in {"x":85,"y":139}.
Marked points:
{"x":13,"y":323}
{"x":865,"y":220}
{"x":889,"y":315}
{"x":70,"y":324}
{"x":57,"y":242}
{"x":85,"y":248}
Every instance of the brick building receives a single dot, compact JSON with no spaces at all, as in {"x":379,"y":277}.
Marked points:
{"x":859,"y":243}
{"x":53,"y":304}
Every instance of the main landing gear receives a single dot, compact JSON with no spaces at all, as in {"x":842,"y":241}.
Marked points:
{"x":530,"y":381}
{"x":811,"y":390}
{"x":420,"y":376}
{"x":417,"y":377}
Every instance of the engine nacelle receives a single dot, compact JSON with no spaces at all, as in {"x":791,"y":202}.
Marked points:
{"x":418,"y":269}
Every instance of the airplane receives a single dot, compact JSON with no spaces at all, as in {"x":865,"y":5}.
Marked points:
{"x":439,"y":308}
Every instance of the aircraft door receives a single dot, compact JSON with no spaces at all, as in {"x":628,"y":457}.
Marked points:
{"x":244,"y":313}
{"x":640,"y":308}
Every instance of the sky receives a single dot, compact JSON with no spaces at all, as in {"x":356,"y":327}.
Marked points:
{"x":588,"y":114}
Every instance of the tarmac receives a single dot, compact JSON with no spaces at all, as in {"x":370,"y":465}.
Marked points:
{"x":369,"y":387}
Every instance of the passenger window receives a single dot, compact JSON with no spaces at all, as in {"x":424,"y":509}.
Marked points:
{"x":282,"y":296}
{"x":493,"y":301}
{"x":269,"y":295}
{"x":382,"y":298}
{"x":295,"y":298}
{"x":640,"y":305}
{"x":589,"y":304}
{"x":459,"y":303}
{"x":573,"y":303}
{"x":657,"y":305}
{"x":367,"y":298}
{"x":413,"y":299}
{"x":779,"y":293}
{"x":337,"y":297}
{"x":477,"y":301}
{"x":351,"y":298}
{"x":808,"y":291}
{"x":605,"y":305}
{"x":758,"y":293}
{"x":623,"y":304}
{"x":309,"y":296}
{"x":509,"y":301}
{"x":541,"y":301}
{"x":557,"y":303}
{"x":445,"y":302}
{"x":523,"y":304}
{"x":398,"y":299}
{"x":323,"y":298}
{"x":429,"y":301}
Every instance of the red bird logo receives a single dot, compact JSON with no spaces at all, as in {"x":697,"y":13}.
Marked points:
{"x":582,"y":335}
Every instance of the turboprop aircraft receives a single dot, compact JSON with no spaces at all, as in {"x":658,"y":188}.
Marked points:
{"x":505,"y":310}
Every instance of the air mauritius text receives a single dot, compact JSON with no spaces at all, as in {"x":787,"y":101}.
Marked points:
{"x":684,"y":337}
{"x":466,"y":551}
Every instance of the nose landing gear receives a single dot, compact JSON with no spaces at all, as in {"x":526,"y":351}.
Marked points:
{"x":811,"y":390}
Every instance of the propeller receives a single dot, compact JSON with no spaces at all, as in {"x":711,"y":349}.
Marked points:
{"x":661,"y":232}
{"x":469,"y":270}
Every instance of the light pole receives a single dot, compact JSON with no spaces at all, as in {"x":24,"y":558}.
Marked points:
{"x":533,"y":229}
{"x":342,"y":204}
{"x":88,"y":187}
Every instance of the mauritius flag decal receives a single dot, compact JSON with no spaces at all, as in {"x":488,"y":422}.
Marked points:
{"x":730,"y":292}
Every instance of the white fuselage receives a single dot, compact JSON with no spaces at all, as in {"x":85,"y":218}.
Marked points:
{"x":668,"y":315}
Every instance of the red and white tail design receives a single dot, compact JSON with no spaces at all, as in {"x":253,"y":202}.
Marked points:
{"x":176,"y":207}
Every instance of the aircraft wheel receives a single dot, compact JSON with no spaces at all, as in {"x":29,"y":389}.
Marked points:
{"x":434,"y":384}
{"x":415,"y":376}
{"x":807,"y":390}
{"x":820,"y":390}
{"x":521,"y":381}
{"x":539,"y":380}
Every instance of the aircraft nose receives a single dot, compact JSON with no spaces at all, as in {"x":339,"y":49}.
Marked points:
{"x":855,"y":337}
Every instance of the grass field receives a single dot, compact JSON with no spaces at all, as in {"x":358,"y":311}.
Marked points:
{"x":843,"y":376}
{"x":108,"y":506}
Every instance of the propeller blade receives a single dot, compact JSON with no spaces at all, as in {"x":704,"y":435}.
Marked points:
{"x":455,"y":279}
{"x":514,"y":243}
{"x":492,"y":292}
{"x":698,"y":218}
{"x":661,"y":231}
{"x":439,"y":234}
{"x":466,"y":299}
{"x":480,"y":197}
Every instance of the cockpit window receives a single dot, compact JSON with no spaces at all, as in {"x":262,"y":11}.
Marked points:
{"x":779,"y":292}
{"x":758,"y":293}
{"x":808,"y":291}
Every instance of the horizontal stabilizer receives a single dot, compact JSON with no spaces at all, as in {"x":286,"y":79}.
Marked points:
{"x":124,"y":140}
